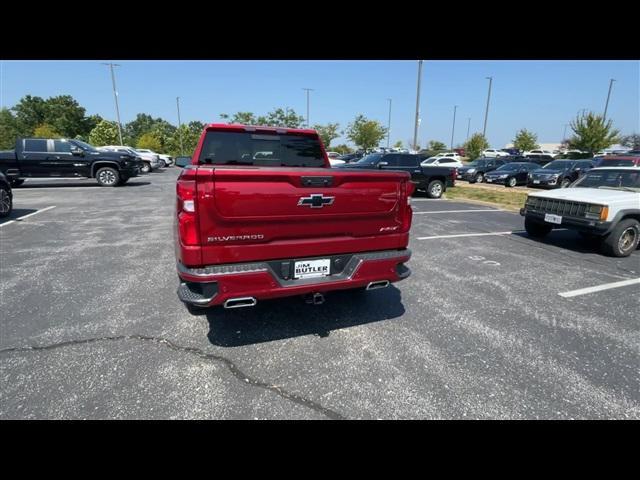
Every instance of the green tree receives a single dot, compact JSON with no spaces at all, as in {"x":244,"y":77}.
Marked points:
{"x":190,"y":134}
{"x":9,"y":130}
{"x":150,"y":142}
{"x":244,"y":118}
{"x":105,"y":133}
{"x":365,"y":133}
{"x":29,"y":113}
{"x":475,"y":145}
{"x":45,"y":131}
{"x":342,"y":149}
{"x":283,"y":118}
{"x":66,"y":116}
{"x":525,"y":140}
{"x":632,"y":141}
{"x":63,"y":113}
{"x":591,"y":133}
{"x":327,"y":133}
{"x":436,"y":146}
{"x":398,"y":144}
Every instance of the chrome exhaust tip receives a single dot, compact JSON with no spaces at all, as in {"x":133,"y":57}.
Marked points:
{"x":240,"y":302}
{"x":378,"y":284}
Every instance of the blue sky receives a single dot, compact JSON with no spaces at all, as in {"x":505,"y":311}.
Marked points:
{"x":539,"y":95}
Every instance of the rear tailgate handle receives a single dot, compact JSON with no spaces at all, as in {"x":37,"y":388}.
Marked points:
{"x":318,"y":181}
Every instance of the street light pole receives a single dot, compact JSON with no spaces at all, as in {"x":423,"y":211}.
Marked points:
{"x":564,"y":133}
{"x":308,"y":90}
{"x":486,"y":113}
{"x":115,"y":97}
{"x":608,"y":95}
{"x":415,"y":128}
{"x":453,"y":129}
{"x":179,"y":125}
{"x":468,"y":126}
{"x":389,"y":124}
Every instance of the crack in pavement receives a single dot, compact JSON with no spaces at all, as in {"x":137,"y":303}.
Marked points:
{"x":239,"y":374}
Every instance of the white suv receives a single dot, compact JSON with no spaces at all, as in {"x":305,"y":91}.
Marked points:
{"x":494,"y":153}
{"x":553,"y":154}
{"x":604,"y":204}
{"x":167,"y":159}
{"x":439,"y":161}
{"x":150,"y":161}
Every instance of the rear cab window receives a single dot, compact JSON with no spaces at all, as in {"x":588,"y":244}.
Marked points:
{"x":35,"y":145}
{"x":261,"y":149}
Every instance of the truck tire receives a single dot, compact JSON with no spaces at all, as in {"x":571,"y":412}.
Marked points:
{"x":108,"y":177}
{"x":6,"y":203}
{"x":536,"y":229}
{"x":16,"y":183}
{"x":146,"y":167}
{"x":435,"y":189}
{"x":512,"y":182}
{"x":623,"y":239}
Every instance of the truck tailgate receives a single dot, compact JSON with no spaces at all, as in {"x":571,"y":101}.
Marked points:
{"x":253,"y":213}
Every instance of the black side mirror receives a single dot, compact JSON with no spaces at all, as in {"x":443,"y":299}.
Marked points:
{"x":183,"y":161}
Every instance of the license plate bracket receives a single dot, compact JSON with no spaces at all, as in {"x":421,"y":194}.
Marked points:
{"x":551,"y":218}
{"x":312,"y":268}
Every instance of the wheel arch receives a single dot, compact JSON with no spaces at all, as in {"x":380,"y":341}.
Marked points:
{"x":103,"y":163}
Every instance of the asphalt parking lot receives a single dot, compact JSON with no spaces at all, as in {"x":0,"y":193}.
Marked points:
{"x":92,"y":327}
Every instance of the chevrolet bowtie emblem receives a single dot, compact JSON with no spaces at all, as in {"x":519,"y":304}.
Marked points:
{"x":315,"y":200}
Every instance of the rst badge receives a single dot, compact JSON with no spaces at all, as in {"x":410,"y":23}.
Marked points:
{"x":315,"y":200}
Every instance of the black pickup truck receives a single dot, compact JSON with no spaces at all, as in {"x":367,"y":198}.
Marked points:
{"x":59,"y":157}
{"x":432,"y":180}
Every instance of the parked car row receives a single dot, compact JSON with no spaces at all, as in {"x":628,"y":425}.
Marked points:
{"x":431,"y":179}
{"x":111,"y":165}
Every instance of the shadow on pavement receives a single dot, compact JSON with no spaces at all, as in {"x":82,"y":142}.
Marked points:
{"x":291,"y":317}
{"x":569,"y":240}
{"x":17,"y":212}
{"x":27,"y":186}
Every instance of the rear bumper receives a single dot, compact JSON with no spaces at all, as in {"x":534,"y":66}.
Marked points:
{"x":213,"y":285}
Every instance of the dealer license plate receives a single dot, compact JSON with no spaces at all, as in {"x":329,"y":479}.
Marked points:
{"x":548,"y":217}
{"x":312,"y":268}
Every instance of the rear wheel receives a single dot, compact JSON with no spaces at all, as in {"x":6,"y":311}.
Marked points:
{"x":479,"y":178}
{"x":512,"y":182}
{"x":623,"y":240}
{"x":565,"y":183}
{"x":435,"y":189}
{"x":536,"y":229}
{"x":108,"y":177}
{"x":6,"y":203}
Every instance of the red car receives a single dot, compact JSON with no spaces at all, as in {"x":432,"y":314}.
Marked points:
{"x":261,"y":214}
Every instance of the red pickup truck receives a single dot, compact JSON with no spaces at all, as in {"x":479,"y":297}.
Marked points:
{"x":261,"y":214}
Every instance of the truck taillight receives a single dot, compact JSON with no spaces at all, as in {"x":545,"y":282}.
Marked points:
{"x":406,"y":212}
{"x":186,"y":212}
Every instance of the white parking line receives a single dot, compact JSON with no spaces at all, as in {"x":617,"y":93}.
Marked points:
{"x":27,"y":216}
{"x":459,"y":211}
{"x":598,"y":288}
{"x":471,"y":235}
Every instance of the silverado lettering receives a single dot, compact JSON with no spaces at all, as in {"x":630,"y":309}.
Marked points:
{"x":352,"y":234}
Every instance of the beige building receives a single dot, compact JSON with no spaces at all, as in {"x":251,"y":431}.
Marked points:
{"x":543,"y":146}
